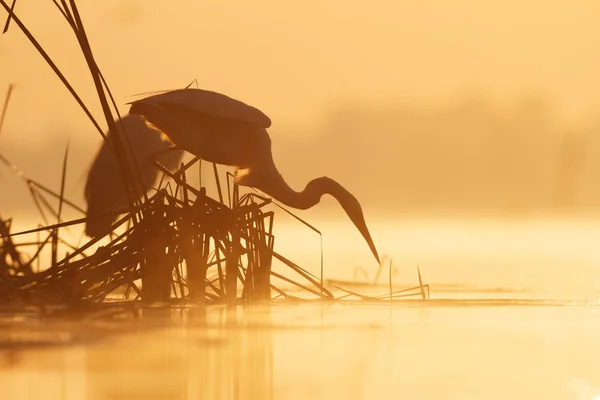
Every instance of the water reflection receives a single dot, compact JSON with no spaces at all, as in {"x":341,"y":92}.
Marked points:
{"x":33,"y":377}
{"x":314,"y":351}
{"x":197,"y":353}
{"x":233,"y":359}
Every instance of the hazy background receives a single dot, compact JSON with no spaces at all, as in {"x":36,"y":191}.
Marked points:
{"x":421,"y":107}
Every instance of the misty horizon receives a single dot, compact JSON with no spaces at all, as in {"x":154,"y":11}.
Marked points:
{"x":469,"y":156}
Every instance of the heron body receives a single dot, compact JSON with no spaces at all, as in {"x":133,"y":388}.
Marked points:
{"x":105,"y":189}
{"x":226,"y":131}
{"x":213,"y":139}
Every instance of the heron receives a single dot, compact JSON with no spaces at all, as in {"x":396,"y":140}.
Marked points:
{"x":226,"y":131}
{"x":105,"y":189}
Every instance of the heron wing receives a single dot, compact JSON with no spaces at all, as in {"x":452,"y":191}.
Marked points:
{"x":214,"y":139}
{"x":210,"y":103}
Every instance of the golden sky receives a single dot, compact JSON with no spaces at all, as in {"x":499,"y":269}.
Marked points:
{"x":294,"y":59}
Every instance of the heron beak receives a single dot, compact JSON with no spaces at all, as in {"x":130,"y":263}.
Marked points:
{"x":354,"y":211}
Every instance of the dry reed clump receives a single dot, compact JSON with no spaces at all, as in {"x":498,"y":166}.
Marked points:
{"x":186,"y":245}
{"x":182,"y":235}
{"x":176,"y":236}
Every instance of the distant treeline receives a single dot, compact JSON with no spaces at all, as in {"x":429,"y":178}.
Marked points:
{"x":465,"y":156}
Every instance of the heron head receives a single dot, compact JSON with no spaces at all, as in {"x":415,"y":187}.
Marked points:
{"x":349,"y":203}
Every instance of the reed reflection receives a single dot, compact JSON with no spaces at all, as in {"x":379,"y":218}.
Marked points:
{"x":32,"y":376}
{"x":214,"y":353}
{"x":192,"y":353}
{"x":241,"y":366}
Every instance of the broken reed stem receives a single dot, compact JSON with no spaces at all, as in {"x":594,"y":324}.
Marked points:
{"x":5,"y":105}
{"x":7,"y":24}
{"x":233,"y":253}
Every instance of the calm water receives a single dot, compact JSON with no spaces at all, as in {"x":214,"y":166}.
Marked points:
{"x":551,"y":258}
{"x":351,"y":351}
{"x":322,"y":352}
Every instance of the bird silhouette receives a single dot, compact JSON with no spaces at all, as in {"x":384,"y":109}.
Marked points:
{"x":226,"y":131}
{"x":105,"y":189}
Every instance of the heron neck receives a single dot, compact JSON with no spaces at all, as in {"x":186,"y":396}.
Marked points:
{"x":273,"y":185}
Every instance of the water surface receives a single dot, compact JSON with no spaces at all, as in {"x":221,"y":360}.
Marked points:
{"x":323,"y":352}
{"x":537,"y":340}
